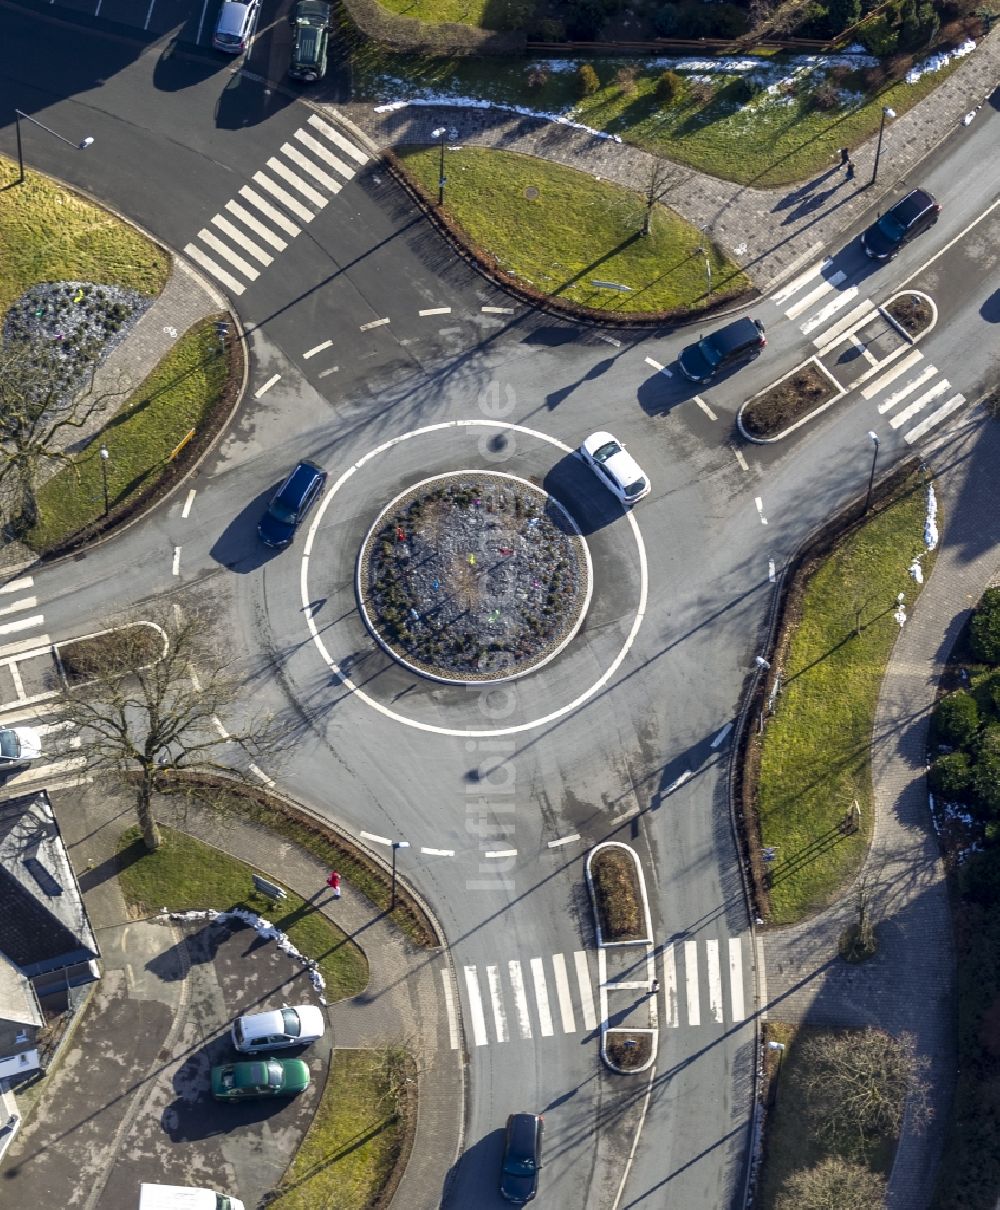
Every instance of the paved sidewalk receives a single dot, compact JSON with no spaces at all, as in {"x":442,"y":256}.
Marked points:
{"x":910,"y":983}
{"x":770,"y":232}
{"x":401,"y":1004}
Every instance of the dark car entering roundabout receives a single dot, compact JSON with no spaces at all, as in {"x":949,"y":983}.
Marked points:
{"x":290,"y":504}
{"x":739,"y":341}
{"x":910,"y":216}
{"x":522,"y":1157}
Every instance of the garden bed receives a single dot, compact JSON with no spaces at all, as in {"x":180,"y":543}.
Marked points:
{"x":793,"y":398}
{"x":628,"y":1050}
{"x":618,"y":898}
{"x":913,"y":312}
{"x":111,"y":653}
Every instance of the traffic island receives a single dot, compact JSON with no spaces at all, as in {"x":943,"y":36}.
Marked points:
{"x":629,"y":1022}
{"x":912,"y":313}
{"x":808,"y":390}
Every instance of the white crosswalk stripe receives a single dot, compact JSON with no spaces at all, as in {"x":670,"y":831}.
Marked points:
{"x":317,"y":173}
{"x":897,"y":370}
{"x":337,"y":139}
{"x":313,"y":196}
{"x":284,"y":197}
{"x":61,"y":760}
{"x":265,"y":207}
{"x":258,"y":228}
{"x":242,"y":241}
{"x":927,"y":373}
{"x":918,"y":405}
{"x":942,"y":413}
{"x":223,"y":249}
{"x":213,"y":267}
{"x":324,"y":154}
{"x":507,"y":1003}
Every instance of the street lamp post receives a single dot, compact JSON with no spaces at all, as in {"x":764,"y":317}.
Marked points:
{"x":440,"y":133}
{"x":873,"y":437}
{"x":396,"y":844}
{"x":708,"y":269}
{"x":104,"y":475}
{"x":886,"y":113}
{"x":18,"y":115}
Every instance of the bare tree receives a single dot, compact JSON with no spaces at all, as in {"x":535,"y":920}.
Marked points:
{"x":44,"y":395}
{"x":834,"y":1184}
{"x":150,"y":706}
{"x":657,"y":185}
{"x":862,"y":1082}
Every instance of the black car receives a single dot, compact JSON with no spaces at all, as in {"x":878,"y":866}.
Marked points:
{"x":909,"y":217}
{"x":290,"y":504}
{"x":741,"y":340}
{"x":522,"y":1157}
{"x":310,"y":38}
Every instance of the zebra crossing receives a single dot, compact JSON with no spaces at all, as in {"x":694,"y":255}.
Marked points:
{"x":913,"y":394}
{"x":701,"y":981}
{"x":293,"y":187}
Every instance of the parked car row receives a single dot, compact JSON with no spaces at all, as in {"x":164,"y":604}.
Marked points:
{"x":310,"y":20}
{"x":255,"y":1033}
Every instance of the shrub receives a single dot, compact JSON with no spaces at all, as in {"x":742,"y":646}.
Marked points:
{"x":538,"y":76}
{"x":877,"y":35}
{"x":669,"y":87}
{"x":826,"y":96}
{"x":625,"y":79}
{"x":843,"y":13}
{"x":986,"y":774}
{"x":956,"y":720}
{"x":984,"y":638}
{"x":588,"y":81}
{"x":951,"y":775}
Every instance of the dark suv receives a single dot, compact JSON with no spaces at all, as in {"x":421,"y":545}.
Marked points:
{"x":290,"y":504}
{"x":742,"y":340}
{"x":310,"y":26}
{"x":522,"y":1157}
{"x":909,"y":217}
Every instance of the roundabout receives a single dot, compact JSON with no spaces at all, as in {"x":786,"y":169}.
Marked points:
{"x":565,"y":558}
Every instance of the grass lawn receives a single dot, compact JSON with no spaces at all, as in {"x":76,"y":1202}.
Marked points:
{"x":180,"y":392}
{"x":49,"y":233}
{"x":186,"y":875}
{"x":770,"y":141}
{"x":791,"y":1137}
{"x":482,"y":13}
{"x":355,"y":1138}
{"x":575,"y":230}
{"x":815,"y":759}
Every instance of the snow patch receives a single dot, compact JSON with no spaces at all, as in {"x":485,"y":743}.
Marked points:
{"x":522,"y":110}
{"x":264,"y":929}
{"x":930,"y":520}
{"x":899,"y":613}
{"x":916,"y":571}
{"x":941,"y":59}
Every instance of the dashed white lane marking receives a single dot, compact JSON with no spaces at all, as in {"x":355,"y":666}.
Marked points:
{"x":437,"y":852}
{"x":337,"y":139}
{"x":217,"y":724}
{"x":175,"y":566}
{"x":586,"y":991}
{"x":259,"y":229}
{"x":223,"y":249}
{"x":331,"y":370}
{"x":741,"y":459}
{"x":435,"y":311}
{"x":283,"y":196}
{"x":24,"y":603}
{"x":897,"y":396}
{"x":554,"y":844}
{"x":497,"y":310}
{"x":609,"y":340}
{"x":213,"y":267}
{"x":891,"y":374}
{"x":691,"y":982}
{"x":267,"y":386}
{"x":722,"y":735}
{"x":269,"y":211}
{"x":186,"y":510}
{"x":661,"y":368}
{"x":500,"y":853}
{"x":520,"y":998}
{"x":17,"y":585}
{"x":306,"y":164}
{"x":325,"y":154}
{"x":772,"y":571}
{"x":736,"y":978}
{"x":475,"y":1007}
{"x":312,"y":196}
{"x":714,"y":980}
{"x":939,"y":388}
{"x":375,"y":323}
{"x":679,"y":781}
{"x":377,"y":839}
{"x":541,"y":998}
{"x":258,"y":772}
{"x":37,"y":643}
{"x":670,"y":989}
{"x":241,"y":240}
{"x":316,"y":349}
{"x":760,"y":509}
{"x":942,"y":412}
{"x":562,"y":994}
{"x":449,"y":1009}
{"x":705,"y":408}
{"x":496,"y":999}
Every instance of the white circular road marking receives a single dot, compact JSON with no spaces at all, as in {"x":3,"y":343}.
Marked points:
{"x":457,"y":731}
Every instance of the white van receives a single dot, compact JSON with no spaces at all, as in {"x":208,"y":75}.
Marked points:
{"x":184,"y":1197}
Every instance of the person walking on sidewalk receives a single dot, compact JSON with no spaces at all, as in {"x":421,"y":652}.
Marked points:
{"x":333,"y":882}
{"x":850,"y":170}
{"x":845,"y":156}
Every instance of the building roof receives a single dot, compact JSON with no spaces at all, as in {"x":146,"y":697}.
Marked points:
{"x":43,"y":923}
{"x":17,"y":1001}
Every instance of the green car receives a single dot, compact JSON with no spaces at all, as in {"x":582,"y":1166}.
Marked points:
{"x":259,"y":1078}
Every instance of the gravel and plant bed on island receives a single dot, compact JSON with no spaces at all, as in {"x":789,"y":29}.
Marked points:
{"x":617,"y":894}
{"x":798,"y":395}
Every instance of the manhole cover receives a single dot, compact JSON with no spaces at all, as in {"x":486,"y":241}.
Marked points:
{"x":531,"y":193}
